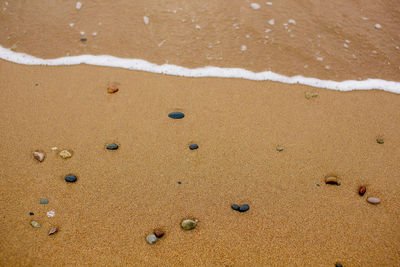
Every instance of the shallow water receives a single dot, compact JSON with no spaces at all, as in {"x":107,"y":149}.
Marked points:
{"x":335,"y":40}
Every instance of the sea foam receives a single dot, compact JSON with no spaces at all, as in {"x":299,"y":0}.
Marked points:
{"x":209,"y":71}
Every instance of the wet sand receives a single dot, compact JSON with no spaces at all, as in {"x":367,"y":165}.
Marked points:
{"x":122,"y":195}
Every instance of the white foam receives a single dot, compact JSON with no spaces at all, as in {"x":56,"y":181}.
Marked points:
{"x":143,"y":65}
{"x":146,"y":19}
{"x":255,"y":6}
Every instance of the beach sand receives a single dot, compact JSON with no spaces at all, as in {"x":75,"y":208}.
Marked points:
{"x":122,"y":195}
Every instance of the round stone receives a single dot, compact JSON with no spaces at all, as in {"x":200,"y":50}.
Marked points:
{"x":235,"y":207}
{"x":362,"y":190}
{"x":112,"y":147}
{"x":151,"y":239}
{"x":176,"y":115}
{"x":65,"y":154}
{"x":193,"y":146}
{"x":244,"y":208}
{"x":70,"y":178}
{"x":374,"y":200}
{"x":188,"y":224}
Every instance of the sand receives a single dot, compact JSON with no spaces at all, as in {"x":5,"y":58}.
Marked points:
{"x":121,"y":196}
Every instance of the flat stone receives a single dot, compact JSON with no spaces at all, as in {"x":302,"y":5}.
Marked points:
{"x":44,"y":201}
{"x":159,"y":233}
{"x":244,"y":208}
{"x":70,"y":178}
{"x":362,"y":190}
{"x":53,"y":231}
{"x":65,"y":154}
{"x":279,"y":148}
{"x":83,"y":39}
{"x":35,"y":224}
{"x":176,"y":115}
{"x":39,"y":156}
{"x":193,"y":146}
{"x":235,"y":207}
{"x":310,"y":95}
{"x":188,"y":224}
{"x":380,"y":141}
{"x":151,"y":239}
{"x":112,"y":147}
{"x":374,"y":200}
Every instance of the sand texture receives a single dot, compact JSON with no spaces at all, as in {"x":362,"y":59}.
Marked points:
{"x":122,"y":195}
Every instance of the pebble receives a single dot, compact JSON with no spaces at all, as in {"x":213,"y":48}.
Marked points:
{"x":35,"y":224}
{"x":332,"y":180}
{"x":31,"y":213}
{"x":193,"y":146}
{"x":362,"y":190}
{"x":51,"y":213}
{"x":279,"y":148}
{"x":380,"y":141}
{"x":39,"y":156}
{"x":179,"y":182}
{"x":159,"y":233}
{"x":70,"y":178}
{"x":176,"y":115}
{"x":338,"y":265}
{"x":188,"y":224}
{"x":244,"y":208}
{"x":112,"y":90}
{"x":151,"y":239}
{"x":235,"y":207}
{"x":83,"y":39}
{"x":44,"y":201}
{"x":309,"y":95}
{"x":112,"y":147}
{"x":53,"y":230}
{"x":65,"y":154}
{"x":373,"y":200}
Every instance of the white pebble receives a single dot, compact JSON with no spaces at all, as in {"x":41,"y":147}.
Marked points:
{"x":82,"y":33}
{"x":54,"y":148}
{"x":146,"y":19}
{"x":320,"y":58}
{"x":51,"y":213}
{"x":71,"y":25}
{"x":94,"y":34}
{"x":271,"y":22}
{"x":198,"y":27}
{"x":244,"y":48}
{"x":327,"y":67}
{"x":292,"y":21}
{"x":269,"y":3}
{"x":378,"y":26}
{"x":267,"y":30}
{"x":255,"y":5}
{"x":78,"y":5}
{"x":346,"y":45}
{"x":373,"y":200}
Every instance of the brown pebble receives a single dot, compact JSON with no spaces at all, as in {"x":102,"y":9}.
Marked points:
{"x":332,"y":180}
{"x":362,"y":190}
{"x":53,"y":231}
{"x":39,"y":156}
{"x":159,"y":233}
{"x":112,"y":90}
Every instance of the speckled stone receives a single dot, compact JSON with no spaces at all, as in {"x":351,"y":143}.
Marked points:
{"x":151,"y":239}
{"x":176,"y":115}
{"x":70,"y":178}
{"x":244,"y":208}
{"x":65,"y":154}
{"x":193,"y":146}
{"x":112,"y":147}
{"x":235,"y":207}
{"x":188,"y":224}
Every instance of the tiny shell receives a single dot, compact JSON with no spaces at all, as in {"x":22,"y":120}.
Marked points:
{"x":362,"y":190}
{"x":188,"y":224}
{"x":65,"y":154}
{"x":112,"y":90}
{"x":35,"y":224}
{"x":53,"y":230}
{"x":373,"y":200}
{"x":39,"y":156}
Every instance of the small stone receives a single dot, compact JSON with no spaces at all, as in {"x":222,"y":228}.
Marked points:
{"x":65,"y":154}
{"x":44,"y":201}
{"x":179,"y":182}
{"x":39,"y":156}
{"x":380,"y":141}
{"x":151,"y":239}
{"x":176,"y":115}
{"x":318,"y":185}
{"x":338,"y":265}
{"x":188,"y":224}
{"x":362,"y":190}
{"x":35,"y":224}
{"x":159,"y":233}
{"x":244,"y":208}
{"x":51,"y":213}
{"x":83,"y":39}
{"x":112,"y":147}
{"x":70,"y":178}
{"x":374,"y":200}
{"x":279,"y":148}
{"x":193,"y":146}
{"x":235,"y":207}
{"x":53,"y":231}
{"x":31,"y":213}
{"x":333,"y":180}
{"x":309,"y":95}
{"x":112,"y":90}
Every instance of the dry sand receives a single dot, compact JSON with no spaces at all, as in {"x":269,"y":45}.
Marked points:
{"x":121,"y":196}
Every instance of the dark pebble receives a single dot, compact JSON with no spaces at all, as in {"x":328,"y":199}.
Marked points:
{"x":318,"y":185}
{"x":44,"y":201}
{"x":179,"y":182}
{"x":193,"y":146}
{"x":159,"y":233}
{"x":112,"y":147}
{"x":380,"y":141}
{"x":338,"y":265}
{"x":36,"y":84}
{"x":235,"y":207}
{"x":362,"y":190}
{"x":83,"y":39}
{"x":176,"y":115}
{"x":244,"y":208}
{"x":31,"y":213}
{"x":70,"y":178}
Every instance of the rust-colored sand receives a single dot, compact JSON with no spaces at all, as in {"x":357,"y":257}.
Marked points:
{"x":121,"y":196}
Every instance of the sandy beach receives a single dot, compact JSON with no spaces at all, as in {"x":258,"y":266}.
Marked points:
{"x":121,"y":196}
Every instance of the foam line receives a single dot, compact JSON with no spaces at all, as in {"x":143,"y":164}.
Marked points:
{"x":143,"y":65}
